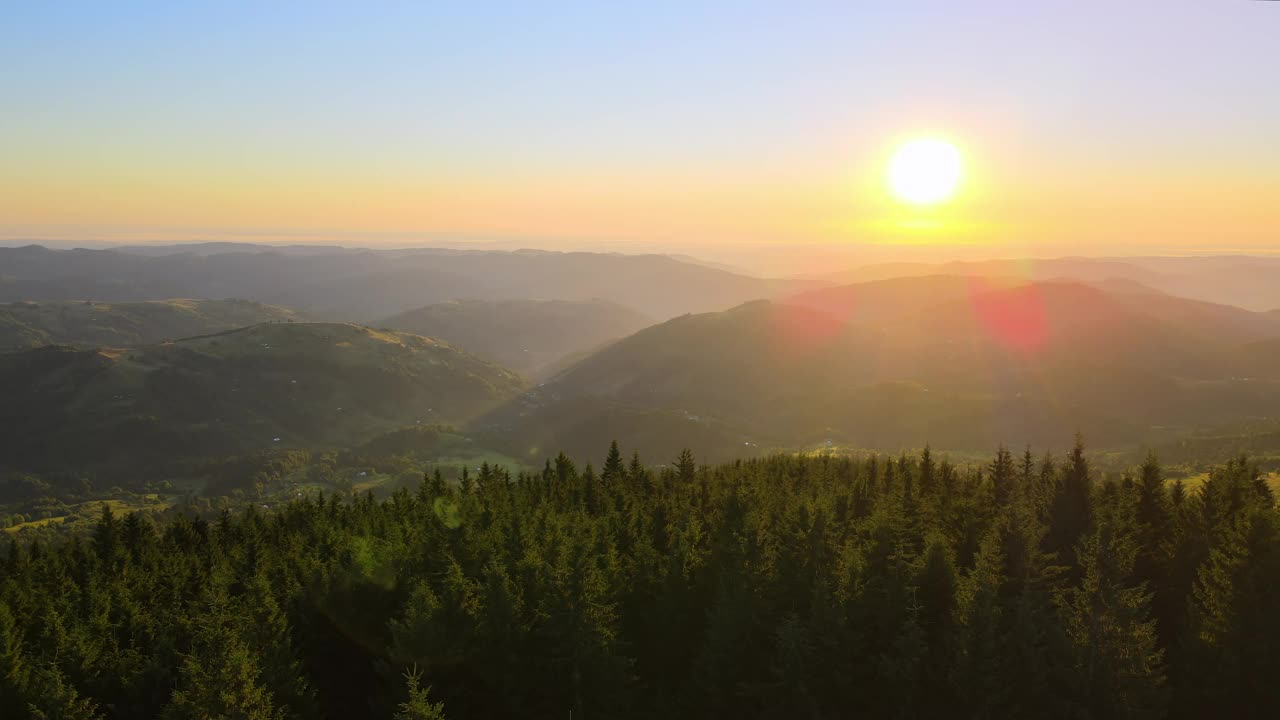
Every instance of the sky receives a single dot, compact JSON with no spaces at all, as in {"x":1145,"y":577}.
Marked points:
{"x":1084,"y":127}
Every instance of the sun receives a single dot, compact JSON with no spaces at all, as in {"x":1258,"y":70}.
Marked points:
{"x":925,"y":172}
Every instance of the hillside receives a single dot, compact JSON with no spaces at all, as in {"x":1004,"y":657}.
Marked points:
{"x":1026,"y":363}
{"x":271,"y":385}
{"x":979,"y":321}
{"x":1250,"y":282}
{"x":1066,"y":301}
{"x":772,"y":347}
{"x":365,"y":286}
{"x":527,"y":336}
{"x":710,"y":381}
{"x":885,"y":301}
{"x":1259,"y":359}
{"x":25,"y":325}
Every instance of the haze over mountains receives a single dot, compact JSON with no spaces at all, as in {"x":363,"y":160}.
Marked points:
{"x":533,"y":352}
{"x":367,"y":286}
{"x":961,"y":361}
{"x":1251,"y":282}
{"x":527,"y":336}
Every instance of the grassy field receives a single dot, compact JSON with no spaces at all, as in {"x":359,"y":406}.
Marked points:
{"x":1194,"y":482}
{"x":88,"y":512}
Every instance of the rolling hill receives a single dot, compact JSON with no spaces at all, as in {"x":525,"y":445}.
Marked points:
{"x":1250,"y":282}
{"x":963,"y":364}
{"x":527,"y":336}
{"x":879,"y":302}
{"x":270,"y":385}
{"x":1055,"y":319}
{"x":26,"y":325}
{"x":366,"y":286}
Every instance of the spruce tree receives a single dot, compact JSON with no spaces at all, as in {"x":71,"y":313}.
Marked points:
{"x":1119,"y":669}
{"x":418,"y":706}
{"x":613,"y":470}
{"x":1070,"y":512}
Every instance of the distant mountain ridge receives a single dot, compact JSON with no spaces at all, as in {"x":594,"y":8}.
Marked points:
{"x":366,"y":286}
{"x":85,"y":323}
{"x":1058,"y":300}
{"x":1246,"y":281}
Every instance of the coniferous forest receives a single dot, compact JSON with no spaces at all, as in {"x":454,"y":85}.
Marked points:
{"x":791,"y":586}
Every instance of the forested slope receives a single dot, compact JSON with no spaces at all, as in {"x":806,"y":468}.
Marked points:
{"x":968,"y":365}
{"x":271,"y":385}
{"x":26,"y":325}
{"x":784,"y":587}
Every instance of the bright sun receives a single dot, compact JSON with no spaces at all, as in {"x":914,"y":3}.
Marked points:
{"x":925,"y":172}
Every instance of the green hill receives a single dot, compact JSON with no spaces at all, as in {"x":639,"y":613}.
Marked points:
{"x":1022,"y":363}
{"x":26,"y":325}
{"x":938,"y":301}
{"x":269,"y":385}
{"x":527,"y":336}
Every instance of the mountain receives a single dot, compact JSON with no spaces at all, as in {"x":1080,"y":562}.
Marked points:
{"x":885,"y":301}
{"x":523,"y":335}
{"x":960,"y":362}
{"x":26,"y":325}
{"x":937,"y":303}
{"x":1080,"y":269}
{"x":270,"y":385}
{"x":369,"y":285}
{"x":1250,"y":282}
{"x":712,"y":381}
{"x":223,"y":247}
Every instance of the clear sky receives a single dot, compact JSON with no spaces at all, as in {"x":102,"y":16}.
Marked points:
{"x":1093,"y":127}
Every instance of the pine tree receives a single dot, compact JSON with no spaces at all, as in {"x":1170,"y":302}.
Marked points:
{"x":977,"y":681}
{"x":789,"y":695}
{"x":14,"y":668}
{"x":281,"y":673}
{"x":936,"y":582}
{"x":1119,"y":671}
{"x":1234,"y":629}
{"x":220,"y":676}
{"x":137,"y":535}
{"x":13,"y":557}
{"x":1003,"y":478}
{"x":639,"y":476}
{"x":1070,"y":512}
{"x":1027,"y":480}
{"x":418,"y":706}
{"x":729,"y":663}
{"x":1153,"y":501}
{"x":106,"y":534}
{"x":613,"y":470}
{"x":53,"y":698}
{"x":928,"y":473}
{"x":685,"y":467}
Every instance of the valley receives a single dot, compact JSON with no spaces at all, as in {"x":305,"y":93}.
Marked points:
{"x":216,"y":401}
